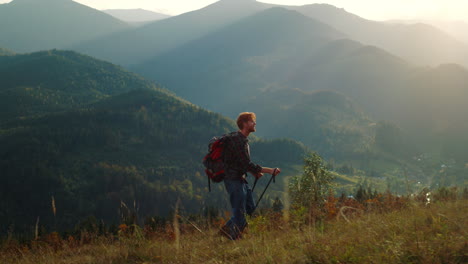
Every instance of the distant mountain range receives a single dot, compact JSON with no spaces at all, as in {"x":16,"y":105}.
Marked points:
{"x":458,"y":29}
{"x":155,"y":39}
{"x":420,"y":44}
{"x":29,"y":25}
{"x":242,"y":58}
{"x":93,"y":135}
{"x":137,"y":45}
{"x":274,"y":49}
{"x":32,"y":25}
{"x":280,"y":49}
{"x":135,"y":16}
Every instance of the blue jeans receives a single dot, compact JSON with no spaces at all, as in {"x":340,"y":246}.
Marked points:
{"x":241,"y":198}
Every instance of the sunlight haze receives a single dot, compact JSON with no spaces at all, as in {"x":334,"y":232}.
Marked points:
{"x":369,"y":9}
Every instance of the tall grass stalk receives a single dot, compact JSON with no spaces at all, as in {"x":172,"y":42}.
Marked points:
{"x":414,"y":234}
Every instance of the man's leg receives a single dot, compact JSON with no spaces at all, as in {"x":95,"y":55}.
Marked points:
{"x":237,"y":196}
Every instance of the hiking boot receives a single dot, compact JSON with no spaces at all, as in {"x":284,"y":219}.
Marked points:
{"x":225,"y":231}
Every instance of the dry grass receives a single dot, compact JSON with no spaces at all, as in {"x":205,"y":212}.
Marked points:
{"x":415,"y":234}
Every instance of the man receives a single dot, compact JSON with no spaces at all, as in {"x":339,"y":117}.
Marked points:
{"x":237,"y":164}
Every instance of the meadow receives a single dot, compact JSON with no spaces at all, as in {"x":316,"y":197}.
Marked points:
{"x":385,"y":229}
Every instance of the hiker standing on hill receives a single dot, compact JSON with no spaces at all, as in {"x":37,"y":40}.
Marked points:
{"x":237,"y":164}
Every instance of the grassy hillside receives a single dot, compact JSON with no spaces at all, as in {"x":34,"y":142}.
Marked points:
{"x":413,"y":234}
{"x":29,"y":25}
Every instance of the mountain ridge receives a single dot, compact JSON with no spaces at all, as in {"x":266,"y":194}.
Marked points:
{"x":135,"y":15}
{"x":28,"y":26}
{"x":158,"y":37}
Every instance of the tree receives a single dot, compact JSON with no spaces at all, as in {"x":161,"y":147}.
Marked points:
{"x":278,"y":205}
{"x":313,"y":186}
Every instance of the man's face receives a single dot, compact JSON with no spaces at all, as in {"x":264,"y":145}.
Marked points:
{"x":250,"y":125}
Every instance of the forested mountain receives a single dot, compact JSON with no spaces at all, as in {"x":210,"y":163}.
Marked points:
{"x":143,"y":146}
{"x":118,"y":138}
{"x":418,"y":43}
{"x":135,"y":15}
{"x":240,"y":60}
{"x":32,"y":25}
{"x":69,"y":79}
{"x":137,"y":45}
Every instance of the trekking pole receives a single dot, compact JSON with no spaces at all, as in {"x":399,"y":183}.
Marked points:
{"x":261,"y":196}
{"x":255,"y":183}
{"x":209,"y":184}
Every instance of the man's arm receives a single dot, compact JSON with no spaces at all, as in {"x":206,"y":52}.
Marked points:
{"x":272,"y":171}
{"x":244,"y":158}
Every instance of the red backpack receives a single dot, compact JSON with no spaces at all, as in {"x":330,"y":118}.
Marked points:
{"x":214,"y":160}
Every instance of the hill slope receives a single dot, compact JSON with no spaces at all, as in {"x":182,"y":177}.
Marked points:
{"x":31,"y":25}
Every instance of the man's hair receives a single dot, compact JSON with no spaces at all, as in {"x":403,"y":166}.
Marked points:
{"x":245,"y":117}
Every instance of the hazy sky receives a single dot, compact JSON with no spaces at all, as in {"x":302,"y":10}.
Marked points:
{"x":370,"y":9}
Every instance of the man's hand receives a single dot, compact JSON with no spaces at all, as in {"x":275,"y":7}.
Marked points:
{"x":258,"y":175}
{"x":276,"y":171}
{"x":272,"y":171}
